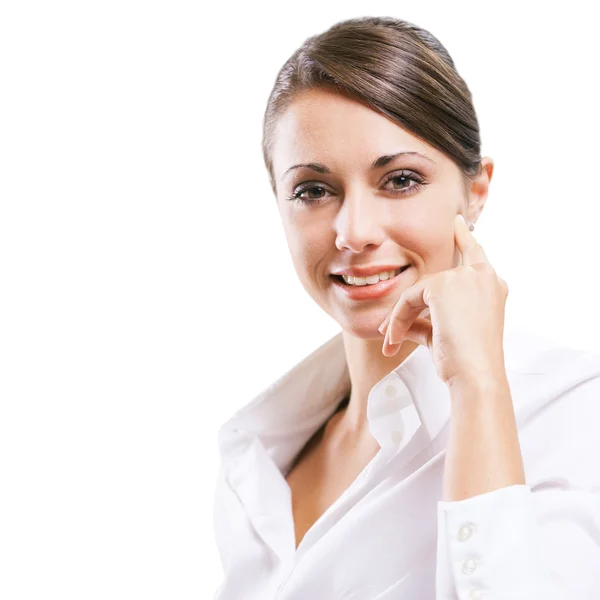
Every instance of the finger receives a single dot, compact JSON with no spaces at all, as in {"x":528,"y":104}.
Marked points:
{"x":411,"y":304}
{"x":389,"y":349}
{"x":384,"y":324}
{"x":421,"y":332}
{"x":470,"y":250}
{"x":383,"y":327}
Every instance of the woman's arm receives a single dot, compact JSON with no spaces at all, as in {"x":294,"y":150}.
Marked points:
{"x":483,"y":452}
{"x":500,"y":538}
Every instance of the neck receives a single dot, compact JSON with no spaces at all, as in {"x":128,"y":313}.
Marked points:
{"x":366,"y":366}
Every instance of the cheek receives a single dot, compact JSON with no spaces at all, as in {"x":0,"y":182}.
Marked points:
{"x":307,"y":252}
{"x":429,"y":239}
{"x":421,"y":236}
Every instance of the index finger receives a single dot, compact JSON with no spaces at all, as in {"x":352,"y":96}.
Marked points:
{"x":411,"y":304}
{"x":469,"y":248}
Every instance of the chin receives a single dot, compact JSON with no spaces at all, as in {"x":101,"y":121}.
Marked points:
{"x":366,"y":330}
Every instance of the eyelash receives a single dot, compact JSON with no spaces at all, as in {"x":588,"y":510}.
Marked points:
{"x":410,"y":175}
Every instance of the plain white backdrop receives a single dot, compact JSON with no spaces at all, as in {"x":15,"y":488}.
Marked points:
{"x":146,"y":289}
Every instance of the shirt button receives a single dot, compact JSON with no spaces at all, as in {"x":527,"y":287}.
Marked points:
{"x":396,"y":437}
{"x":391,"y":391}
{"x":464,"y":533}
{"x":469,"y":566}
{"x":476,"y":595}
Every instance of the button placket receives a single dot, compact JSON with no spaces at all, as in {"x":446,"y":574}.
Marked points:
{"x":385,"y":411}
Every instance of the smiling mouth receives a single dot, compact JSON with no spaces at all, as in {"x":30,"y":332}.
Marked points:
{"x":343,"y":282}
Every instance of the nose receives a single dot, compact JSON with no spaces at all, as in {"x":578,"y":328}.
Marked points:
{"x":357,"y":224}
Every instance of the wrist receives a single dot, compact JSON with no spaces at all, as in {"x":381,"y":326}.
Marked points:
{"x":477,"y":384}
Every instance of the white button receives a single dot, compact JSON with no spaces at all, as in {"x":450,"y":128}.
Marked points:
{"x":469,"y":566}
{"x":391,"y":391}
{"x":396,"y":436}
{"x":476,"y":595}
{"x":464,"y":533}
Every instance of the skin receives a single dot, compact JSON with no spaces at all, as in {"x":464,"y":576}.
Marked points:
{"x":359,"y":220}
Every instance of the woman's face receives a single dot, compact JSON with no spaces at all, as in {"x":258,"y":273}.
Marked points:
{"x":396,"y":213}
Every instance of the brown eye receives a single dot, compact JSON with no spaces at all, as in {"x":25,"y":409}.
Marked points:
{"x":405,"y":177}
{"x":402,"y":179}
{"x":314,"y":188}
{"x":297,"y":195}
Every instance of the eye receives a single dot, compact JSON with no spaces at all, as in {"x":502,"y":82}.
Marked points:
{"x":297,"y":194}
{"x":404,"y":176}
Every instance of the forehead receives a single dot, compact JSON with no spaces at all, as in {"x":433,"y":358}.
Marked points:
{"x":324,"y":126}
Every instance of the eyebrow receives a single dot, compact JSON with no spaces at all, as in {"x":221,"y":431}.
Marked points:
{"x":382,"y":161}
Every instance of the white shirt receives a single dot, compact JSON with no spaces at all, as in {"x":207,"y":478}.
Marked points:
{"x":389,"y":536}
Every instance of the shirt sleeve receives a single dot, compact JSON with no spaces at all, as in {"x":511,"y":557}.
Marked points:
{"x":512,"y":544}
{"x":532,"y":541}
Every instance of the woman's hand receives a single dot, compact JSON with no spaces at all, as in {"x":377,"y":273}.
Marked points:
{"x":466,"y":304}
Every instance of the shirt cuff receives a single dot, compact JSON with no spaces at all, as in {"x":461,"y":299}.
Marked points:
{"x":490,"y":548}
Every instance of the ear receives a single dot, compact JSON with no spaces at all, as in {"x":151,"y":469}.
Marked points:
{"x":479,"y":189}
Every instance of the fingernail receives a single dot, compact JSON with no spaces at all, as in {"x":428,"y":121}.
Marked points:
{"x":385,"y":346}
{"x":383,"y":325}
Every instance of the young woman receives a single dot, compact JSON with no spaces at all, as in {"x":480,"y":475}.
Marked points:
{"x":423,"y":452}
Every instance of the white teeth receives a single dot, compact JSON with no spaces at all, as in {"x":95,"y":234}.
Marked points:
{"x":371,"y":279}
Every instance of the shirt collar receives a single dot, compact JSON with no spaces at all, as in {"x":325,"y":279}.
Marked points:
{"x":288,"y":412}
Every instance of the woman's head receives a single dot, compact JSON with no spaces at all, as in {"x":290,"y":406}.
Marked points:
{"x":345,"y":102}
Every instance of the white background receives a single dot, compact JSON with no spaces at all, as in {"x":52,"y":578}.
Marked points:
{"x":146,"y":290}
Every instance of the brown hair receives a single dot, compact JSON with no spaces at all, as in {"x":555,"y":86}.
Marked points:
{"x":396,"y":68}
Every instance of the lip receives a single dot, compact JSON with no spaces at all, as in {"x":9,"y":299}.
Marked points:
{"x":366,"y":271}
{"x":370,"y":292}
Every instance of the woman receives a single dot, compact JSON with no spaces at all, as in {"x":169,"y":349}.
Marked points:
{"x":408,"y":457}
